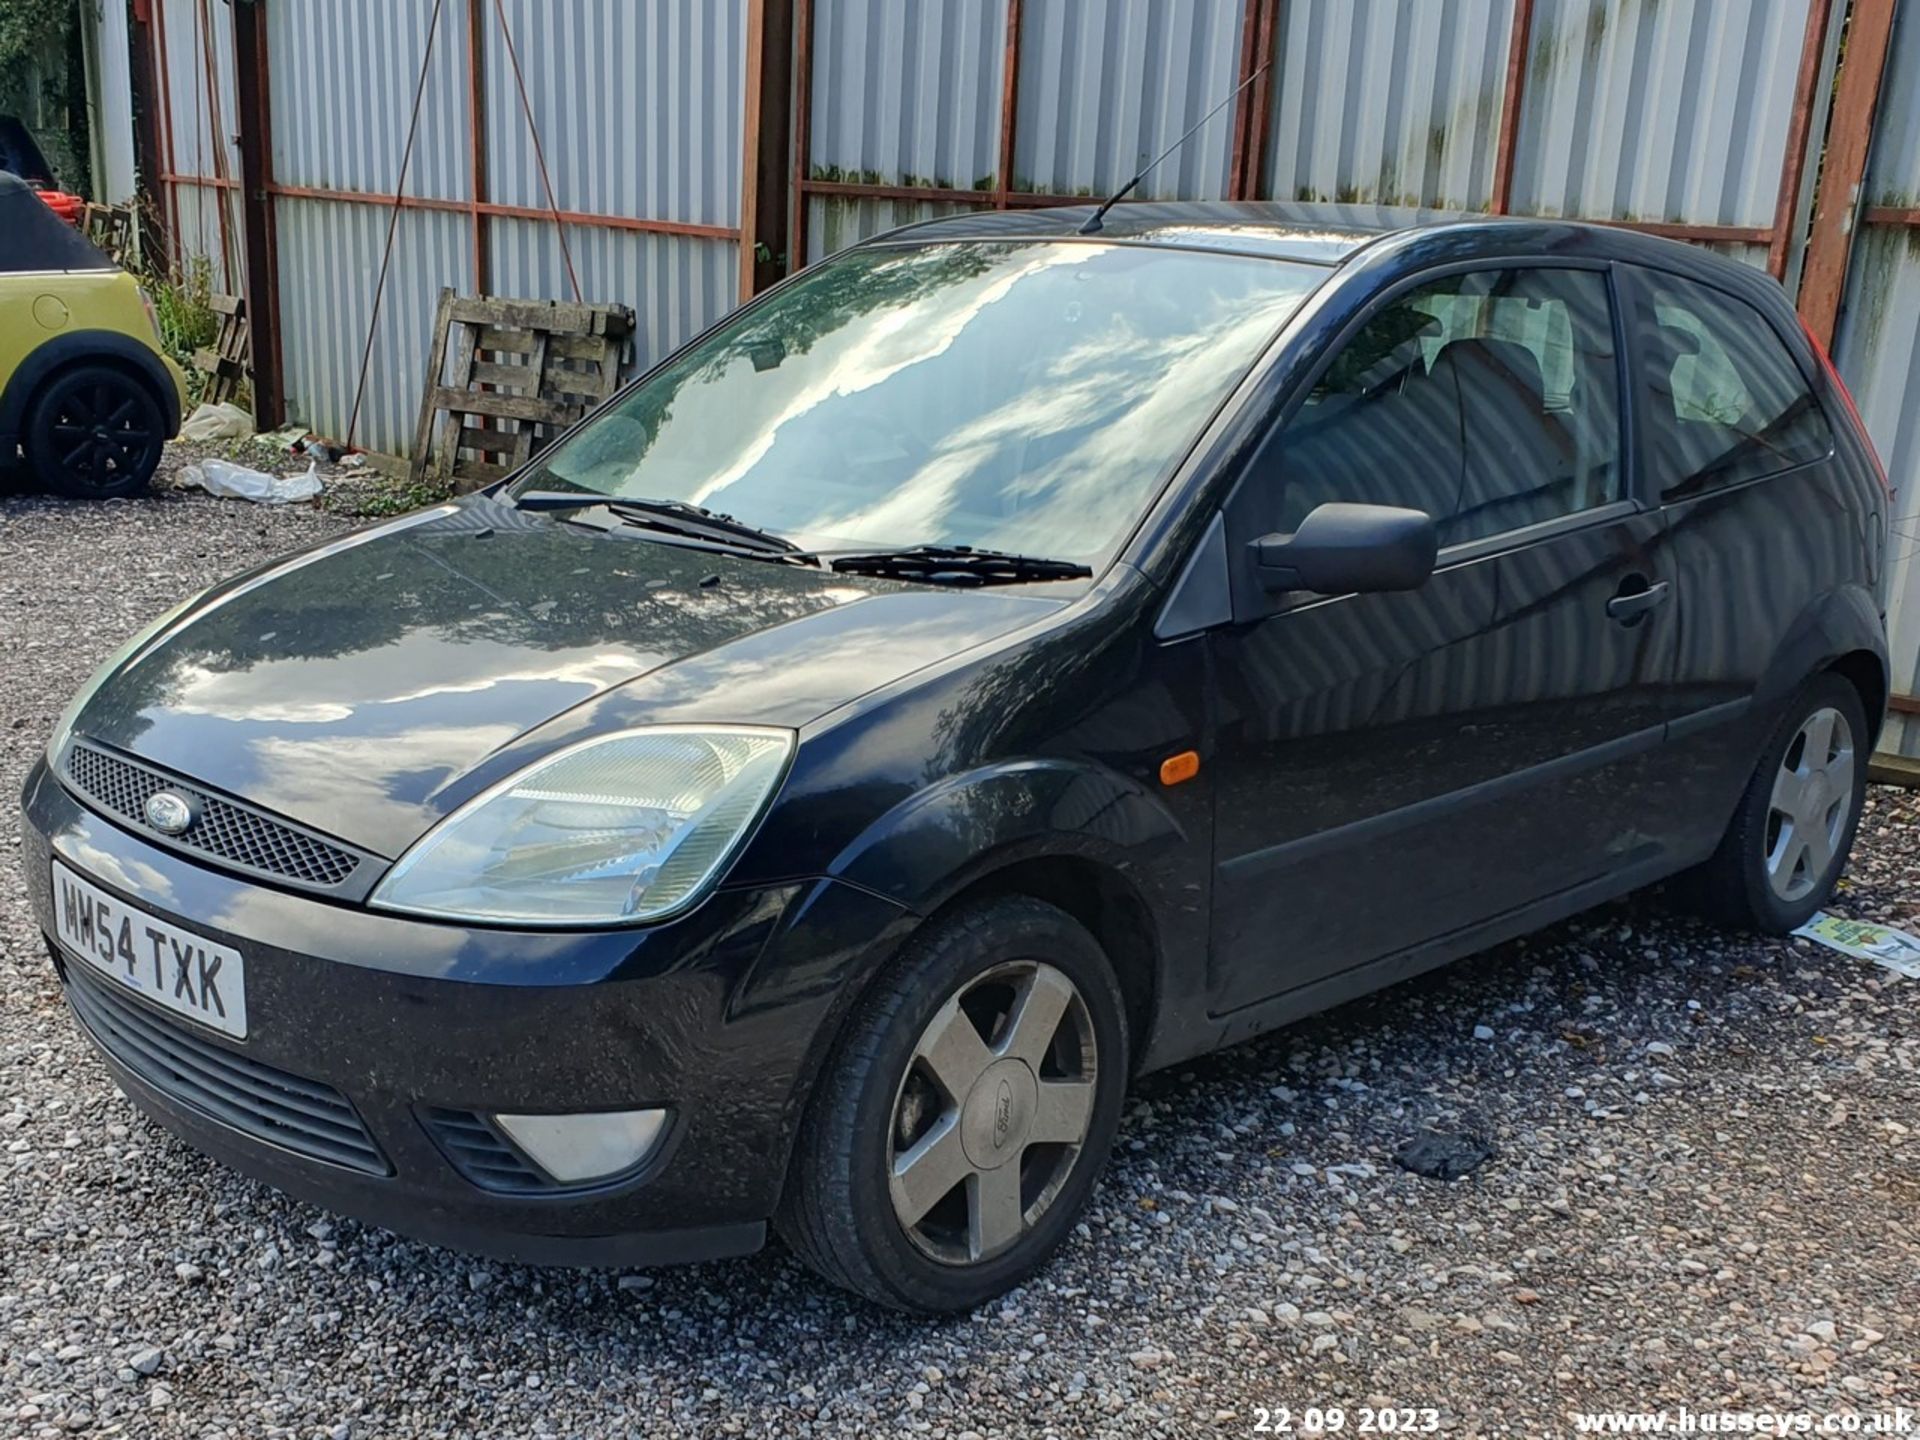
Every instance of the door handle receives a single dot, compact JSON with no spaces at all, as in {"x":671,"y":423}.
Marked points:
{"x":1629,"y":606}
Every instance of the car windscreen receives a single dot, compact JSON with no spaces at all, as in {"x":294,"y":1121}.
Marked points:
{"x":33,"y":238}
{"x":1030,"y":397}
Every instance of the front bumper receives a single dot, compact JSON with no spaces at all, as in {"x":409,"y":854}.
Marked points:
{"x":719,"y":1017}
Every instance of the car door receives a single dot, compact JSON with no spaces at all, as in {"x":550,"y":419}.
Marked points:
{"x":1739,"y":450}
{"x":1391,"y":769}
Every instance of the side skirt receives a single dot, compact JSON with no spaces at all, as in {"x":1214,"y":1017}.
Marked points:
{"x":1258,"y":1018}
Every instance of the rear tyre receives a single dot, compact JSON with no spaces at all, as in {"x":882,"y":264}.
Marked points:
{"x":94,"y":433}
{"x":1789,"y":838}
{"x":959,"y":1128}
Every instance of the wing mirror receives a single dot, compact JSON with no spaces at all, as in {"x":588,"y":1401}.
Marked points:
{"x":1341,"y":549}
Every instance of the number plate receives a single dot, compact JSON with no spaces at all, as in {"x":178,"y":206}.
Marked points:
{"x":189,"y":975}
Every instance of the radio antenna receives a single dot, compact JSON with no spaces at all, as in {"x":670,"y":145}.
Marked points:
{"x":1093,"y":225}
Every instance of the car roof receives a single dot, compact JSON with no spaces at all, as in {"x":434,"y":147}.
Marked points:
{"x":1329,"y":234}
{"x":1318,"y":234}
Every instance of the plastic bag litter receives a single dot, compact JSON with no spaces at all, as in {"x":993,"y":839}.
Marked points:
{"x":1895,"y":949}
{"x":240,"y":482}
{"x":217,"y":422}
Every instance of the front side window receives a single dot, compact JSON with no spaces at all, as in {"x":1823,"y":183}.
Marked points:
{"x":1029,"y":397}
{"x":1725,"y":401}
{"x":1489,"y":399}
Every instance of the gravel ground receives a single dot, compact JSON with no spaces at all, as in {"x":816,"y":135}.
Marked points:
{"x":1706,"y":1192}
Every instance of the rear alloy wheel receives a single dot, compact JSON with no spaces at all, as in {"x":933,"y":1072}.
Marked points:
{"x":1788,"y":841}
{"x":1812,"y":802}
{"x":95,"y":433}
{"x":958,"y":1131}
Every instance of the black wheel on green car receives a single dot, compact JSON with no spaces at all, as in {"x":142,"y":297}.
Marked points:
{"x":961,"y":1125}
{"x":94,"y":433}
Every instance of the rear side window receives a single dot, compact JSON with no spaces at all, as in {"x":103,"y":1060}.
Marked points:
{"x":1488,"y":399}
{"x":1725,"y":401}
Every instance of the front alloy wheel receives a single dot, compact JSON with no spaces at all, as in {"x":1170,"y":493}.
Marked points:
{"x":961,"y":1124}
{"x":992,"y":1112}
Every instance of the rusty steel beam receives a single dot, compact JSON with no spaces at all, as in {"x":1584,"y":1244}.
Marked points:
{"x":591,"y":219}
{"x":769,"y":112}
{"x":1701,"y":234}
{"x":150,"y":128}
{"x":1257,"y":100}
{"x":1844,"y":171}
{"x":750,"y":156}
{"x":252,"y":88}
{"x":1799,"y":129}
{"x":216,"y":128}
{"x":170,"y":193}
{"x":1510,"y":101}
{"x":1242,"y":114}
{"x":1908,"y":215}
{"x":982,"y":198}
{"x":802,"y":132}
{"x":477,"y":145}
{"x":1009,"y":107}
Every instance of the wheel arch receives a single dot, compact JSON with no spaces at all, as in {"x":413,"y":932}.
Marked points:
{"x":1841,"y":631}
{"x":1106,"y":903}
{"x":85,"y":347}
{"x":1099,"y":845}
{"x":1866,"y":671}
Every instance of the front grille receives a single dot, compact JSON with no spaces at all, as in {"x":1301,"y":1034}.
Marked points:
{"x":482,"y":1154}
{"x":221,"y":829}
{"x":303,"y":1116}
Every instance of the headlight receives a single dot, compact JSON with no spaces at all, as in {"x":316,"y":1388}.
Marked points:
{"x":63,"y":727}
{"x":625,"y":828}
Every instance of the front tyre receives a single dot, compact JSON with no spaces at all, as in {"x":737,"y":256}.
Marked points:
{"x":95,"y":433}
{"x":1789,"y":838}
{"x":960,"y":1127}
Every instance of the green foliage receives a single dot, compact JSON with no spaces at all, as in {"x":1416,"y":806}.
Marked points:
{"x":29,"y":26}
{"x":393,"y":497}
{"x":182,"y":307}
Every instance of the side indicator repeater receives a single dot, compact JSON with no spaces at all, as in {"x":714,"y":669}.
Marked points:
{"x":1178,"y":769}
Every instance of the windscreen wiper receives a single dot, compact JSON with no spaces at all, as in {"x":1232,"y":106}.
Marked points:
{"x":675,"y":517}
{"x":957,"y":565}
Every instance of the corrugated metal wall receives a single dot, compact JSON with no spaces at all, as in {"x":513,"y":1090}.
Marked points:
{"x":1640,"y":110}
{"x":1630,"y":110}
{"x":905,"y":92}
{"x":1105,"y":85}
{"x":329,"y":264}
{"x":199,"y":112}
{"x":1388,"y":103}
{"x":1877,"y":349}
{"x":641,"y":115}
{"x":330,"y":250}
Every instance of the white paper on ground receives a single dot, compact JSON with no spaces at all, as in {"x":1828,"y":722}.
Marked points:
{"x":217,"y":422}
{"x":242,"y":482}
{"x":1895,"y":949}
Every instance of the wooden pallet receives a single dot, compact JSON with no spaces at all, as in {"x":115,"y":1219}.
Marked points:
{"x":110,"y":227}
{"x":226,"y":362}
{"x":522,"y":371}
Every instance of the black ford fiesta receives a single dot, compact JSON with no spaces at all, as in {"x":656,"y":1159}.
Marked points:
{"x":1002,"y":660}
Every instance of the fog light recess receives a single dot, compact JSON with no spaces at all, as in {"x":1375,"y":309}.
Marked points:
{"x":578,"y":1149}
